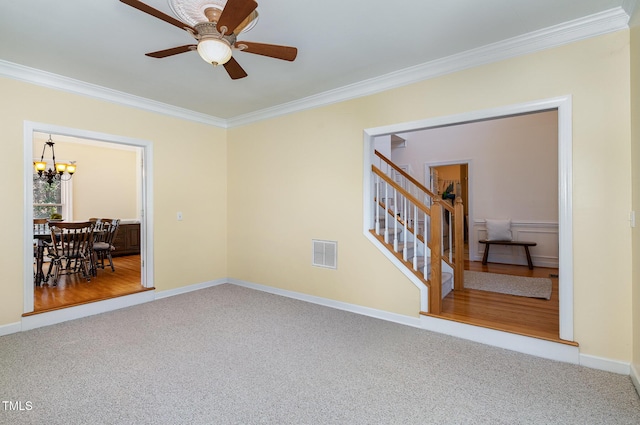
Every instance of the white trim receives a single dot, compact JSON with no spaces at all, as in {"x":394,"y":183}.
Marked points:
{"x":615,"y":366}
{"x":90,"y":309}
{"x":146,"y":222}
{"x":565,"y":175}
{"x":189,"y":288}
{"x":84,"y":310}
{"x":339,"y":305}
{"x":424,"y":291}
{"x":535,"y":224}
{"x":522,"y":344}
{"x":10,"y":328}
{"x":611,"y":20}
{"x":70,"y":85}
{"x":565,"y":216}
{"x":635,"y":377}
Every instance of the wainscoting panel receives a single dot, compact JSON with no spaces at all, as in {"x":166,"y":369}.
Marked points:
{"x":545,"y":234}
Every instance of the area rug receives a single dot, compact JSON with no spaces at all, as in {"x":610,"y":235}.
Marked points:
{"x":532,"y":287}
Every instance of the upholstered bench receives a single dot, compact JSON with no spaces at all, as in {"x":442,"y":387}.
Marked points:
{"x":524,"y":244}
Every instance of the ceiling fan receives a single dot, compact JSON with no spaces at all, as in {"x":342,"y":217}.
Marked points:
{"x":217,"y":33}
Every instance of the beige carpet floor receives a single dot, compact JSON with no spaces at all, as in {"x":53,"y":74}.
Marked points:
{"x":232,"y":355}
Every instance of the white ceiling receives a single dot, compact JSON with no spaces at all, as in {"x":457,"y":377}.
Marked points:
{"x":340,"y":43}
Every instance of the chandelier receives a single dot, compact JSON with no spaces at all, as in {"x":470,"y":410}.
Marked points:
{"x":60,"y":171}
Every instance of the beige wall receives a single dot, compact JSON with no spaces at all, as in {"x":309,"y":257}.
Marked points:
{"x":514,"y":163}
{"x":190,"y":176}
{"x":299,"y":177}
{"x":635,"y":157}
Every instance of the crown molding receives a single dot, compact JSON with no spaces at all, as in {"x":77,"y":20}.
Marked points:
{"x":612,"y":20}
{"x":70,"y":85}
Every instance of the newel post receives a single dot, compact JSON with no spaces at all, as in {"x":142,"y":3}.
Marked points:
{"x":458,"y":278}
{"x":435,"y":290}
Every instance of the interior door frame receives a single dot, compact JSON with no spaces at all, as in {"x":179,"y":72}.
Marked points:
{"x":145,"y":182}
{"x":469,"y":164}
{"x":563,"y":104}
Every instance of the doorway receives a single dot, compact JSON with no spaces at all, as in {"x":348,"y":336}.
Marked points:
{"x":561,"y":106}
{"x":142,"y":211}
{"x":527,"y":316}
{"x":450,"y":180}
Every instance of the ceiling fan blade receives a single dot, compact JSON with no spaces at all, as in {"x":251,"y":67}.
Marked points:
{"x":157,"y":14}
{"x":271,"y":50}
{"x":234,"y":13}
{"x":172,"y":51}
{"x":234,"y":69}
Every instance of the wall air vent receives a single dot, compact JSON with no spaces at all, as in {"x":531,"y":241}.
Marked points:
{"x":325,"y":254}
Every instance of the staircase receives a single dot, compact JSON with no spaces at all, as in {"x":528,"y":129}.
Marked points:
{"x":422,"y":231}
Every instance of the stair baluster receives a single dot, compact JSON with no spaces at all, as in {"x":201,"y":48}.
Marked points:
{"x":401,"y":200}
{"x":395,"y":220}
{"x":404,"y":229}
{"x":376,"y":206}
{"x":386,"y":213}
{"x":415,"y":239}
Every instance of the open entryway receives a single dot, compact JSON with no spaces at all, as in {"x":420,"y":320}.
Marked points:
{"x":530,"y":193}
{"x":112,"y":180}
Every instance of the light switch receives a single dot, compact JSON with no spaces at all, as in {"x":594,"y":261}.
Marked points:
{"x":179,"y":215}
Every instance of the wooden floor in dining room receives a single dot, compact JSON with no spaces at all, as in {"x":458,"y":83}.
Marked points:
{"x":74,"y":290}
{"x":534,"y":317}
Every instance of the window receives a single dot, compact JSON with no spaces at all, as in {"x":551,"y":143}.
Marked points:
{"x":52,"y":198}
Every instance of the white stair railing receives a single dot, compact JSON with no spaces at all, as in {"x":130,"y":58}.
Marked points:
{"x":408,"y":240}
{"x":405,"y":219}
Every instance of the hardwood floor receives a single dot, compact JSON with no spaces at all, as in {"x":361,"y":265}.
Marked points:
{"x":526,"y":316}
{"x":74,"y":290}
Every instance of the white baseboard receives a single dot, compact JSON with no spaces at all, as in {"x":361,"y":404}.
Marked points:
{"x":77,"y":312}
{"x":635,"y":377}
{"x":522,"y":344}
{"x":189,"y":288}
{"x":609,"y":365}
{"x":353,"y":308}
{"x":519,"y":343}
{"x":84,"y":310}
{"x":10,"y":328}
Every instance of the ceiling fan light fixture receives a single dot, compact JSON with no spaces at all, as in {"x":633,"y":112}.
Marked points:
{"x":195,"y":11}
{"x":216,"y":51}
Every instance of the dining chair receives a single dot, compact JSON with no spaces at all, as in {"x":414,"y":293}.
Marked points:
{"x":70,"y":250}
{"x":103,"y":241}
{"x":40,"y":230}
